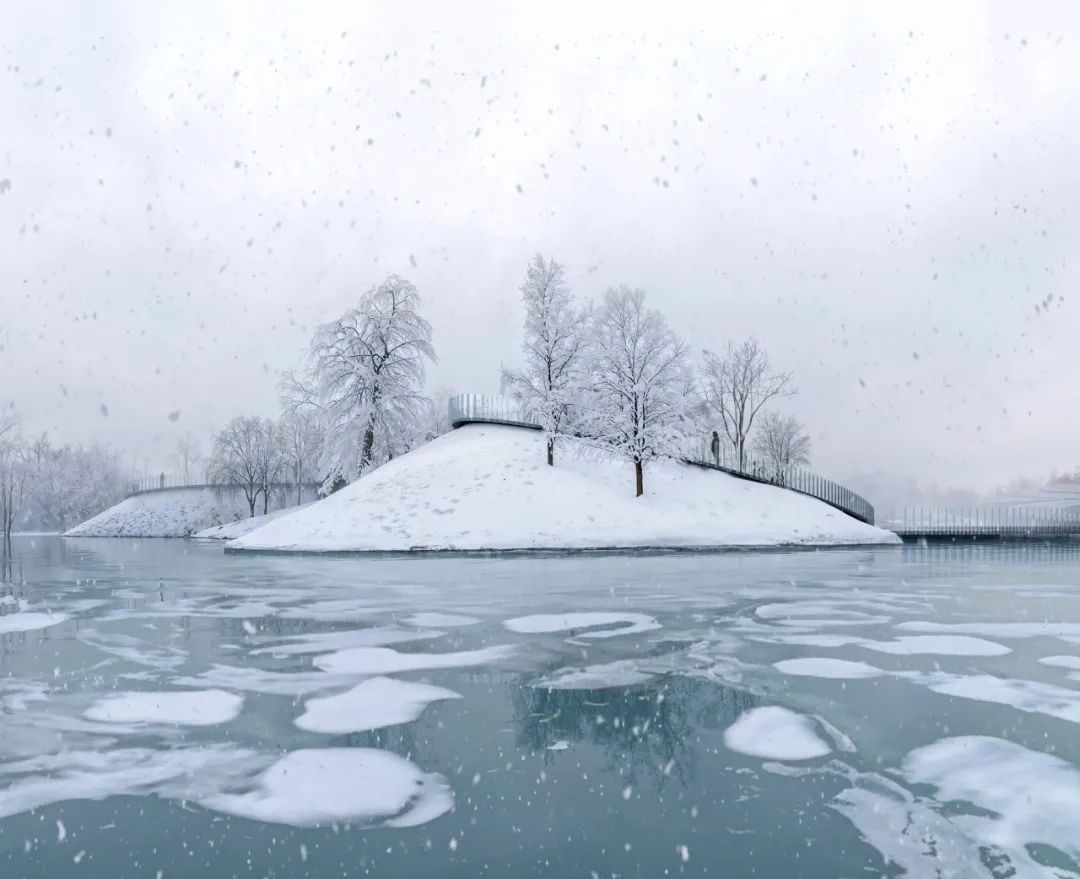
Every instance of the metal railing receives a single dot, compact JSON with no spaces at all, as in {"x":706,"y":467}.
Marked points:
{"x":496,"y":409}
{"x":488,"y":409}
{"x":797,"y":479}
{"x":165,"y":481}
{"x":994,"y":522}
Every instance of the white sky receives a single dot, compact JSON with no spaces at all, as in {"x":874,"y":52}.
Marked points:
{"x":882,"y":195}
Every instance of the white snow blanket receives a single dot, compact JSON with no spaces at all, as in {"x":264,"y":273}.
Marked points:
{"x":232,"y":530}
{"x":488,"y":487}
{"x":173,"y":512}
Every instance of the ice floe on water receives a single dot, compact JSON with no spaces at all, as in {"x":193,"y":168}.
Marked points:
{"x":175,"y":707}
{"x":374,"y":703}
{"x":1027,"y":798}
{"x":178,"y":773}
{"x":620,"y":673}
{"x":435,"y":620}
{"x":775,"y":733}
{"x":133,"y":650}
{"x":937,"y":645}
{"x":996,"y":630}
{"x":257,"y":680}
{"x":1069,"y":662}
{"x":1033,"y":697}
{"x":824,"y":667}
{"x":323,"y":642}
{"x":542,"y":623}
{"x":385,"y":660}
{"x":346,"y":785}
{"x":29,"y":621}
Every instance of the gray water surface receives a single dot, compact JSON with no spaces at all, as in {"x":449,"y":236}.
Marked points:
{"x":951,"y":748}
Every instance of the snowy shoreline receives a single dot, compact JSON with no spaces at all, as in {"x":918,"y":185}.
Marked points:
{"x":560,"y":551}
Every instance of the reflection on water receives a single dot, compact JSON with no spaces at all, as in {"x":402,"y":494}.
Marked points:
{"x":628,"y":779}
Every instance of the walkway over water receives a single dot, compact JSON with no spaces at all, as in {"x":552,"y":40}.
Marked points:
{"x":988,"y":523}
{"x":497,"y":409}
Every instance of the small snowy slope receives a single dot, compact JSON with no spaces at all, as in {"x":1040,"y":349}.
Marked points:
{"x":240,"y":527}
{"x":487,"y":487}
{"x":178,"y":512}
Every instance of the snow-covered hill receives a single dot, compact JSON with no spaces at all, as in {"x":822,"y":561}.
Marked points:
{"x":175,"y":512}
{"x":487,"y":487}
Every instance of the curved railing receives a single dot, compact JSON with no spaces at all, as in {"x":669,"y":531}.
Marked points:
{"x":166,"y":481}
{"x":488,"y":409}
{"x":499,"y":409}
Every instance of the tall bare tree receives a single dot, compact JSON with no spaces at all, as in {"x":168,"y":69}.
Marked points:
{"x":554,"y":347}
{"x":640,"y":382}
{"x":736,"y":385}
{"x":14,"y":475}
{"x":781,"y":443}
{"x":301,"y":445}
{"x":247,"y":455}
{"x":187,"y":454}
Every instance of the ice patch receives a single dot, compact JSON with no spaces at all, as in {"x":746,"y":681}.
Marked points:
{"x":1033,"y":697}
{"x":560,"y":745}
{"x":939,"y":645}
{"x":822,"y":640}
{"x":629,"y":624}
{"x":375,"y":703}
{"x":775,"y":733}
{"x":1070,"y":662}
{"x":29,"y":620}
{"x":257,"y":680}
{"x":346,"y":785}
{"x":133,"y":650}
{"x":996,"y":630}
{"x":180,"y":707}
{"x":322,"y":642}
{"x":1032,"y":796}
{"x":621,"y":673}
{"x":384,"y":660}
{"x":181,"y":773}
{"x":446,"y":620}
{"x":822,"y":667}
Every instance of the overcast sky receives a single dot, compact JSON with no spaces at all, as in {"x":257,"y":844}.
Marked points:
{"x":887,"y":198}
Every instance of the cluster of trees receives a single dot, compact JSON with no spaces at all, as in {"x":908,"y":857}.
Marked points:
{"x":356,"y":402}
{"x":53,"y":487}
{"x":615,"y":374}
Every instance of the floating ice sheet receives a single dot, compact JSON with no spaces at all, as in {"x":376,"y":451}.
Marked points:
{"x":384,"y":660}
{"x":1033,"y":697}
{"x":436,"y":619}
{"x":823,"y":667}
{"x":179,"y":707}
{"x":775,"y":733}
{"x":29,"y":620}
{"x":372,"y":704}
{"x":348,"y":785}
{"x":621,"y":673}
{"x":627,"y":624}
{"x":259,"y":680}
{"x":322,"y":642}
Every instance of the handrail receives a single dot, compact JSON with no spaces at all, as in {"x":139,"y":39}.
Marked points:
{"x":993,"y":521}
{"x":498,"y":409}
{"x":167,"y":481}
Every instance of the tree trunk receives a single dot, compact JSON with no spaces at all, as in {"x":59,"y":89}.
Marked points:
{"x":266,"y":500}
{"x":369,"y":444}
{"x":251,"y":505}
{"x":639,"y":479}
{"x":551,"y":451}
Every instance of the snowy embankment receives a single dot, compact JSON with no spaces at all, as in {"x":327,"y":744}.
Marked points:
{"x":487,"y":487}
{"x":232,"y":530}
{"x":174,"y":512}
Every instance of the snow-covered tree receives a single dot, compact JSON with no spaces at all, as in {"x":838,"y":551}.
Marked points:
{"x":69,"y":484}
{"x":554,"y":347}
{"x":736,"y":385}
{"x":641,"y":386}
{"x":247,"y":454}
{"x":367,"y":375}
{"x":301,"y":445}
{"x":14,"y":475}
{"x":781,"y":443}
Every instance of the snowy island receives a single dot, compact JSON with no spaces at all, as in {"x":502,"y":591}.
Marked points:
{"x":487,"y":487}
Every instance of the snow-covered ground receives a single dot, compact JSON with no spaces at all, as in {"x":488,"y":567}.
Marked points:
{"x":176,"y":512}
{"x":487,"y":487}
{"x":240,"y":527}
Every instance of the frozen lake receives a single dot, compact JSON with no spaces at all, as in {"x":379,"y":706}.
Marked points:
{"x":166,"y":710}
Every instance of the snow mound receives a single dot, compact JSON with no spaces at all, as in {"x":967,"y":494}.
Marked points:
{"x":488,"y":487}
{"x":173,"y":512}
